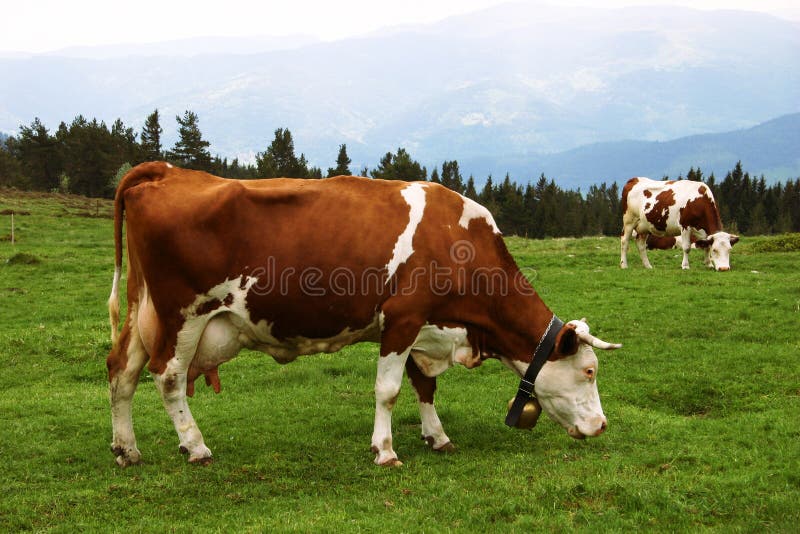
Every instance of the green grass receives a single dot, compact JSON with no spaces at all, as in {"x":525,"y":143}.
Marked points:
{"x":702,"y":401}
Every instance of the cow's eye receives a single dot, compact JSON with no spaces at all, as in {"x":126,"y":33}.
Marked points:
{"x":589,"y":372}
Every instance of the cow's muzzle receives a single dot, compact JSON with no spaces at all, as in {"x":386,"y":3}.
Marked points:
{"x":596,"y":427}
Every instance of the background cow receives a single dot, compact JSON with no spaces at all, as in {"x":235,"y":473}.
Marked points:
{"x":667,"y":242}
{"x":674,"y":208}
{"x":293,"y":267}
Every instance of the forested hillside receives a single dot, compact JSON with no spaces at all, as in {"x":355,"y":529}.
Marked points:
{"x":87,"y":157}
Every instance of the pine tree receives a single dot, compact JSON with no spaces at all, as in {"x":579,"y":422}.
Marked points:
{"x":279,"y":159}
{"x":125,"y":147}
{"x":487,"y":193}
{"x":342,"y":163}
{"x":40,"y":155}
{"x":191,"y":150}
{"x":10,"y":167}
{"x":470,"y":191}
{"x":93,"y":154}
{"x":400,"y":167}
{"x":451,"y":176}
{"x":150,"y":140}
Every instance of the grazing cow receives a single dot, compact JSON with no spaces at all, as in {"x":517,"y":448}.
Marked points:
{"x":672,"y":208}
{"x":293,"y":267}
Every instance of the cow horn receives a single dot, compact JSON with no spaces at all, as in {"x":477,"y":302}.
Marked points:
{"x":597,"y":343}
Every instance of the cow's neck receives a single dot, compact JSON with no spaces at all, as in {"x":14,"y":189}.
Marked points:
{"x":514,"y":326}
{"x":528,"y":316}
{"x":711,"y":223}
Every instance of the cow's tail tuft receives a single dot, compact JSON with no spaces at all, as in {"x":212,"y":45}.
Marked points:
{"x":113,"y":300}
{"x":146,"y":172}
{"x":113,"y":306}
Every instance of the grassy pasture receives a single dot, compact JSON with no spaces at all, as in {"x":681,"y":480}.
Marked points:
{"x":703,"y":403}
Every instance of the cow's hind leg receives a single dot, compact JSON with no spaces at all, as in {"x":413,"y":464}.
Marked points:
{"x":125,"y":363}
{"x":641,"y":244}
{"x":425,"y":388}
{"x":171,"y":383}
{"x":624,"y":239}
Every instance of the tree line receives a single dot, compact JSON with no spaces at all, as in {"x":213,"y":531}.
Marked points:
{"x":89,"y":158}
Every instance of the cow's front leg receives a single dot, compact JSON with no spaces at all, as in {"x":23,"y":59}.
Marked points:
{"x":387,"y":388}
{"x":641,"y":244}
{"x":172,"y":386}
{"x":425,"y":388}
{"x":686,"y":246}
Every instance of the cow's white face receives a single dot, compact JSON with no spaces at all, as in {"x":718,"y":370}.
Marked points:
{"x":567,"y":390}
{"x":718,"y":249}
{"x":567,"y":387}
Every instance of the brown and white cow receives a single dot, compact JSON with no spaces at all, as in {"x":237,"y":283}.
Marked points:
{"x":674,"y":208}
{"x":292,"y":267}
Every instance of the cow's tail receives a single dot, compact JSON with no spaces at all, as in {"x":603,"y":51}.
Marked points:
{"x":145,"y":172}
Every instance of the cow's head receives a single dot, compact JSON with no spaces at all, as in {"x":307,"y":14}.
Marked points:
{"x":718,"y":249}
{"x":566,"y":387}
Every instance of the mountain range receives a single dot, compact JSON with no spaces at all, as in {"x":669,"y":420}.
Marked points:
{"x":771,"y":149}
{"x":581,"y":94}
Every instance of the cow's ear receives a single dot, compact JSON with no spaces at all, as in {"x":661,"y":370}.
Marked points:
{"x":567,"y":341}
{"x":704,"y":243}
{"x":734,"y":239}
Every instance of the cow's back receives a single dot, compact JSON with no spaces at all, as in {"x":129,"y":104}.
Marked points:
{"x":340,"y":240}
{"x":667,"y":207}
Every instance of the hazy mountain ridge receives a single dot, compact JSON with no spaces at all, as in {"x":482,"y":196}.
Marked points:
{"x":771,"y":149}
{"x":490,"y":89}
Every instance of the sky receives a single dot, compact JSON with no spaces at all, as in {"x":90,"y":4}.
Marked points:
{"x":46,"y":25}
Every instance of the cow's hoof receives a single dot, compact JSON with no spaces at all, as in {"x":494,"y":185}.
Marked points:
{"x":446,"y":448}
{"x":126,"y":457}
{"x":204,"y":461}
{"x":183,"y":450}
{"x":391,"y":461}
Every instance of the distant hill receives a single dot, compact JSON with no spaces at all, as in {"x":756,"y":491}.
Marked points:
{"x":190,"y":47}
{"x":771,"y":149}
{"x":493,"y":89}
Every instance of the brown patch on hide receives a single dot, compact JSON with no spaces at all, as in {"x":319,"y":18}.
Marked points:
{"x":659,"y":214}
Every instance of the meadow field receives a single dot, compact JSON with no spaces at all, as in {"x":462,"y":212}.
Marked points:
{"x":703,"y":405}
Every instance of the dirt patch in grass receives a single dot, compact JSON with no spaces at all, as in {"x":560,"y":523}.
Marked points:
{"x":14,"y":212}
{"x":23,"y":258}
{"x":95,"y":215}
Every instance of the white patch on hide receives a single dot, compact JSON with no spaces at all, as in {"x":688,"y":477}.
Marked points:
{"x":436,"y":349}
{"x":233,"y":291}
{"x":473,"y":210}
{"x":414,"y":195}
{"x":217,"y":336}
